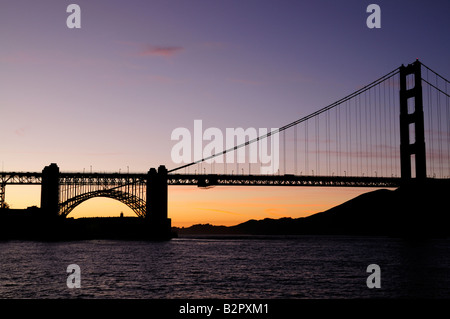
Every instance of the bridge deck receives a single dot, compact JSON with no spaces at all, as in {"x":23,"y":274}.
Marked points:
{"x":205,"y":180}
{"x":281,"y":180}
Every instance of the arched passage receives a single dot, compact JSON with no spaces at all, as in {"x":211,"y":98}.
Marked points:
{"x":101,"y":207}
{"x":136,"y":204}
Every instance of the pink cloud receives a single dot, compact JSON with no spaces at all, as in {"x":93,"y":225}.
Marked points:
{"x":214,"y":45}
{"x":22,"y":131}
{"x":138,"y":80}
{"x":247,"y":82}
{"x":20,"y":58}
{"x":161,"y":51}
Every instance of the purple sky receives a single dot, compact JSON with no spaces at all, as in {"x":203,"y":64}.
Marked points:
{"x":110,"y":94}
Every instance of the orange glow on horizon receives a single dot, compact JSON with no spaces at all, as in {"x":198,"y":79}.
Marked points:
{"x":225,"y":205}
{"x":229,"y":206}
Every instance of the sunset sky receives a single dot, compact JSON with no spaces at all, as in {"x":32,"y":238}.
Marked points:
{"x":109,"y":95}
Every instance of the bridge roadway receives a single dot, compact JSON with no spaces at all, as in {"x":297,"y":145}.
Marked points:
{"x":203,"y":180}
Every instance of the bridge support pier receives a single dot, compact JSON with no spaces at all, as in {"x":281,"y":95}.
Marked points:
{"x":157,"y":198}
{"x":2,"y":195}
{"x":50,"y":191}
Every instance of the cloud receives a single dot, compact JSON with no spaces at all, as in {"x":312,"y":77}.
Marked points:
{"x":220,"y":211}
{"x":21,"y":132}
{"x":274,"y":212}
{"x":213,"y":45}
{"x":123,"y":81}
{"x":161,"y":51}
{"x":103,"y":153}
{"x":21,"y":58}
{"x":246,"y":82}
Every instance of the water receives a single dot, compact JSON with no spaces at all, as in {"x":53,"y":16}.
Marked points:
{"x":299,"y":267}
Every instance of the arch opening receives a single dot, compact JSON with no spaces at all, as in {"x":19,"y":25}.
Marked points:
{"x":136,"y":204}
{"x":101,"y":207}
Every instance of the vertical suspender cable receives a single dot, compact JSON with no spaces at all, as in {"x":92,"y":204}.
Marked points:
{"x":439,"y":132}
{"x":448,"y":130}
{"x":430,"y":126}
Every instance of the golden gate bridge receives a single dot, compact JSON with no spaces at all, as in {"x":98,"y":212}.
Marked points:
{"x":393,"y":131}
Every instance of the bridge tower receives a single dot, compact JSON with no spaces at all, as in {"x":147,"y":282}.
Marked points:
{"x":411,"y":113}
{"x":156,"y":210}
{"x":50,"y":191}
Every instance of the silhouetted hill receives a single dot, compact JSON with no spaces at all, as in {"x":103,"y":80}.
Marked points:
{"x":407,"y":211}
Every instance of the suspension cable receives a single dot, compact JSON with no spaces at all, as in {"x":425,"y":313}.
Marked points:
{"x":303,"y":119}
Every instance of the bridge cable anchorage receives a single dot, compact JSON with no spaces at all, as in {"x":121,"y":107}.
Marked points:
{"x":303,"y":119}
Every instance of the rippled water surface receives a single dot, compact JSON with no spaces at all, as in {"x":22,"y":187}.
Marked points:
{"x":300,"y":267}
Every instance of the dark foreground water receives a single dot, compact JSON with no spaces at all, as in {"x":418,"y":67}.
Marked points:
{"x":300,"y":267}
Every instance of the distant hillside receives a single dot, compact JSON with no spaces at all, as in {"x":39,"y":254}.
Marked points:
{"x":409,"y":210}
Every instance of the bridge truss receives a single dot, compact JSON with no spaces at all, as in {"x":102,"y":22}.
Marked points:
{"x":130,"y":189}
{"x":75,"y":188}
